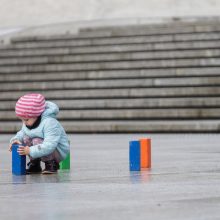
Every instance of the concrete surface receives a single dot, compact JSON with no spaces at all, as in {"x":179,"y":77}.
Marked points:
{"x":182,"y":184}
{"x":41,"y":12}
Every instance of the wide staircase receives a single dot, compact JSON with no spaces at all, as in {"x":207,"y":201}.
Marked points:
{"x":147,"y":78}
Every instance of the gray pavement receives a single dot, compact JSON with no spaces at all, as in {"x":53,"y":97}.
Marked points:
{"x":184,"y":182}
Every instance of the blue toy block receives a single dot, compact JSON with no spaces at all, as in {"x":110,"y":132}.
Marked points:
{"x":18,"y":161}
{"x":134,"y":156}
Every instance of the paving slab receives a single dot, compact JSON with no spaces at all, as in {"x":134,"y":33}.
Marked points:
{"x":183,"y":182}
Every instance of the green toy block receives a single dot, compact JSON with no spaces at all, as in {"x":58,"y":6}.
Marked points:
{"x":65,"y":164}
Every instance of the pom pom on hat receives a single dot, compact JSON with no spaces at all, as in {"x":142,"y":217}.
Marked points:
{"x":30,"y":105}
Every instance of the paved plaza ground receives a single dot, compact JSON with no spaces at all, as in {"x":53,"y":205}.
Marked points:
{"x":183,"y":183}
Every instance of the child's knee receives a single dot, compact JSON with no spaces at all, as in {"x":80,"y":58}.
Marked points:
{"x":27,"y":141}
{"x":36,"y":141}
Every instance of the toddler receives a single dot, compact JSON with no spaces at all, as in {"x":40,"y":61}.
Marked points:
{"x":41,"y":137}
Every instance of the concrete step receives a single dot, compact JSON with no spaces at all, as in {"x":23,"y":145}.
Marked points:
{"x":131,"y":30}
{"x":129,"y":114}
{"x":124,"y":114}
{"x":213,"y":62}
{"x":110,"y":57}
{"x":110,"y":74}
{"x":162,"y":46}
{"x":143,"y":126}
{"x":74,"y":42}
{"x":111,"y":83}
{"x":150,"y":103}
{"x":167,"y":46}
{"x":151,"y":29}
{"x":204,"y":91}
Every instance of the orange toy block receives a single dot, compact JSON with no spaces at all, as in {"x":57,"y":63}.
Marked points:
{"x":145,"y":145}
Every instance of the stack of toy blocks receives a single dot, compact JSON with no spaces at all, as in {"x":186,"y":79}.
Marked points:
{"x":140,"y":154}
{"x":18,"y":161}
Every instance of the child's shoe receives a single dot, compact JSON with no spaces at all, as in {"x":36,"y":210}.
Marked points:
{"x":51,"y":167}
{"x":34,"y":167}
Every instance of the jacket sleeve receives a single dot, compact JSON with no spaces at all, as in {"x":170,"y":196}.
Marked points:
{"x":19,"y":136}
{"x":52,"y":134}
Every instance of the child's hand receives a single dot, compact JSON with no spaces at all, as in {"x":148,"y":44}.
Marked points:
{"x":13,"y":142}
{"x":23,"y":150}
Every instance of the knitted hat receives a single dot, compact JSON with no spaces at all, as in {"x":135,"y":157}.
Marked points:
{"x":30,"y":105}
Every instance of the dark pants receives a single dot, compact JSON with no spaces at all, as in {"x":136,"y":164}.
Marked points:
{"x":55,"y":155}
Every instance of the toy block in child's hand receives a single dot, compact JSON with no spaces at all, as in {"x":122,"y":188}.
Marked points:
{"x":18,"y":161}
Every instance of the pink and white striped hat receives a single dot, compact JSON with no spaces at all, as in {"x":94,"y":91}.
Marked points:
{"x":30,"y":106}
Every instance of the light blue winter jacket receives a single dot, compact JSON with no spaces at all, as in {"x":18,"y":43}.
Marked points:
{"x":50,"y":130}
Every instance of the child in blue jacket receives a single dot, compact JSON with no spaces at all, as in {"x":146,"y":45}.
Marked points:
{"x":42,"y":137}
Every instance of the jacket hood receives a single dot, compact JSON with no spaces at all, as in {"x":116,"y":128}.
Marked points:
{"x":51,"y":110}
